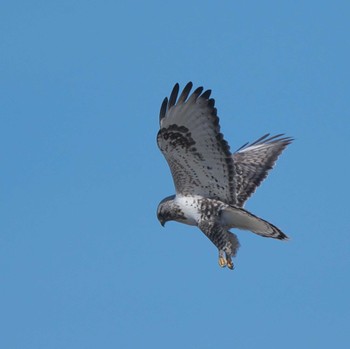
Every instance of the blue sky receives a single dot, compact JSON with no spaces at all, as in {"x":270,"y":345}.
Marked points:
{"x":84,"y":262}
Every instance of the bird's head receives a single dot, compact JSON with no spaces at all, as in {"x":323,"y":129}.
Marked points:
{"x":164,"y":210}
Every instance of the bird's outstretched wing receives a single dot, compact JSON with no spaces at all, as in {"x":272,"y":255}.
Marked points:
{"x":253,"y":161}
{"x":189,"y":137}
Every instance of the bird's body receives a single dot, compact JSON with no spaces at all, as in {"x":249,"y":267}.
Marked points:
{"x":212,"y":184}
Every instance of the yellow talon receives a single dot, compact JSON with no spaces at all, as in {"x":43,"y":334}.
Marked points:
{"x":222,"y":262}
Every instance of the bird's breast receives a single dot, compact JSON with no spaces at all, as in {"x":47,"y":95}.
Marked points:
{"x":189,"y":206}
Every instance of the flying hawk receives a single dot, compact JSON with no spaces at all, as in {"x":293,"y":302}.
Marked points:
{"x":211,"y":183}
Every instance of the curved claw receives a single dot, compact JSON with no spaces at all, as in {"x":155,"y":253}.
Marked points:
{"x":222,"y":262}
{"x":229,"y":263}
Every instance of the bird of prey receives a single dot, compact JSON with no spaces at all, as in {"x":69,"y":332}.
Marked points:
{"x":211,"y":183}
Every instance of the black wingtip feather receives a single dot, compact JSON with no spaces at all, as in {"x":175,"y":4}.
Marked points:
{"x":173,"y":95}
{"x":163,"y":109}
{"x":206,"y":94}
{"x":185,"y":92}
{"x":264,"y":139}
{"x":211,"y":102}
{"x":197,"y":91}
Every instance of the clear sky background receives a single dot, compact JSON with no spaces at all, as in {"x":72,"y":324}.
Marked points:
{"x":84,"y":263}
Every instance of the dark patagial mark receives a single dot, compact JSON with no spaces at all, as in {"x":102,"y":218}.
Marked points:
{"x":177,"y":136}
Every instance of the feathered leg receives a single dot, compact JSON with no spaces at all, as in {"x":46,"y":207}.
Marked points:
{"x":226,"y":242}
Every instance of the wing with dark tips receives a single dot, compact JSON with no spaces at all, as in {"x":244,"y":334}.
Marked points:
{"x":253,"y":162}
{"x":189,"y":137}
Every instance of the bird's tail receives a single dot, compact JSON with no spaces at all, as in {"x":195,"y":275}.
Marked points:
{"x":236,"y":217}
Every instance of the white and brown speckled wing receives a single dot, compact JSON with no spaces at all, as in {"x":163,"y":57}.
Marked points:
{"x":189,"y":137}
{"x":253,"y":161}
